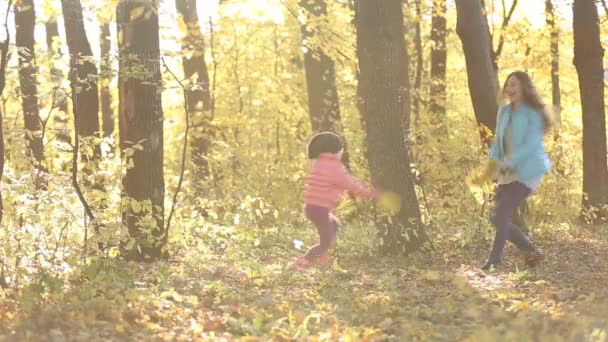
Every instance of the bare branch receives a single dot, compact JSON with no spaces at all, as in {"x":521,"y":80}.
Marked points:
{"x":505,"y":22}
{"x":75,"y":152}
{"x":184,"y":149}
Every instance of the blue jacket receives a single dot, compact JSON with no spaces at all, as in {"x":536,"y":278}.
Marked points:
{"x":528,"y":157}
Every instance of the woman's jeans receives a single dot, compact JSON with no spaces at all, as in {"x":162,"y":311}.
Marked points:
{"x":508,"y":197}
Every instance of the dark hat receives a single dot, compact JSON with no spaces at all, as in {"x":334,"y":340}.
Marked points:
{"x":324,"y":142}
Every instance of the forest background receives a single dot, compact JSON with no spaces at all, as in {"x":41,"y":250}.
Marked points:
{"x":176,"y":211}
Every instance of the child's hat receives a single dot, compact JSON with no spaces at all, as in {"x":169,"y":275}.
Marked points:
{"x":324,"y":142}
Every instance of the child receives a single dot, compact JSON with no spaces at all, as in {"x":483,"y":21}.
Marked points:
{"x":329,"y":179}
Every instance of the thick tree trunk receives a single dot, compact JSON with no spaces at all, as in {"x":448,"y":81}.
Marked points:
{"x":472,"y":28}
{"x":60,"y":96}
{"x":141,"y":127}
{"x":438,"y":60}
{"x":107,"y":113}
{"x":83,"y":74}
{"x":323,"y":100}
{"x":383,"y":89}
{"x":25,"y":21}
{"x":588,"y":60}
{"x":198,"y":94}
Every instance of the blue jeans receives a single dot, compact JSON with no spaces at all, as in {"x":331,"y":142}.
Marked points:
{"x":508,"y":197}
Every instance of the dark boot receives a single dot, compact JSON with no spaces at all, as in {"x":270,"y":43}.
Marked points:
{"x":489,"y":266}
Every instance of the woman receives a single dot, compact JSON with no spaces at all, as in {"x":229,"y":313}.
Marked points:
{"x":520,"y":151}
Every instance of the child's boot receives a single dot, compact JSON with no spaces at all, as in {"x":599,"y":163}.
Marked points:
{"x":302,"y":264}
{"x":323,"y":260}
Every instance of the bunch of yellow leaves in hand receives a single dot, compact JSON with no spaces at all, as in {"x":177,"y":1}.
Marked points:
{"x":485,"y":174}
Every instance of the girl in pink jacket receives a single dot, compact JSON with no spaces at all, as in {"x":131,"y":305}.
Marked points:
{"x":324,"y":187}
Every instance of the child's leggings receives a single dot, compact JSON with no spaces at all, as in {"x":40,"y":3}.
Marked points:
{"x":326,"y":227}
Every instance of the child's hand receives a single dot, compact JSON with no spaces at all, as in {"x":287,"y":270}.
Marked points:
{"x":334,"y":218}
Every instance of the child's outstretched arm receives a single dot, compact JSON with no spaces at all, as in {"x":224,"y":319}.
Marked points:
{"x":345,"y":181}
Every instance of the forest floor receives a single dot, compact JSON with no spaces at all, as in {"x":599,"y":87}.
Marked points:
{"x":247,"y":292}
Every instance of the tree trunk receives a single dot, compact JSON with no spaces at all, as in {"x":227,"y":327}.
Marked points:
{"x":83,"y":75}
{"x":323,"y":100}
{"x":141,"y":125}
{"x":438,"y":60}
{"x":4,"y":47}
{"x":588,"y":55}
{"x":554,"y":28}
{"x":60,"y":97}
{"x":419,"y":62}
{"x":107,"y":114}
{"x":197,"y":93}
{"x":25,"y":21}
{"x":506,"y":18}
{"x":383,"y":89}
{"x":472,"y":28}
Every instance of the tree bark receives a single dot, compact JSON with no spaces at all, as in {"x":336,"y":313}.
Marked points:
{"x":141,"y":124}
{"x":82,"y":65}
{"x":4,"y":56}
{"x":554,"y":29}
{"x":197,"y":82}
{"x":472,"y":28}
{"x":60,"y":97}
{"x":383,"y":100}
{"x":25,"y":21}
{"x":588,"y":60}
{"x":416,"y":94}
{"x":438,"y":59}
{"x":107,"y":113}
{"x":323,"y":100}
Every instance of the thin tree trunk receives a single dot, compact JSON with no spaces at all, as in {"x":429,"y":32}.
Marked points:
{"x":438,"y":60}
{"x":107,"y":113}
{"x":60,"y":99}
{"x":383,"y":92}
{"x":472,"y":28}
{"x":419,"y":62}
{"x":323,"y":100}
{"x":25,"y":21}
{"x":83,"y":64}
{"x":554,"y":29}
{"x":141,"y":127}
{"x":507,"y":15}
{"x":198,"y":94}
{"x":4,"y":56}
{"x":588,"y":60}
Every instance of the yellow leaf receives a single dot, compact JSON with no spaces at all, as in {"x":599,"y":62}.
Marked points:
{"x":121,"y":329}
{"x":430,"y":275}
{"x":181,"y":24}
